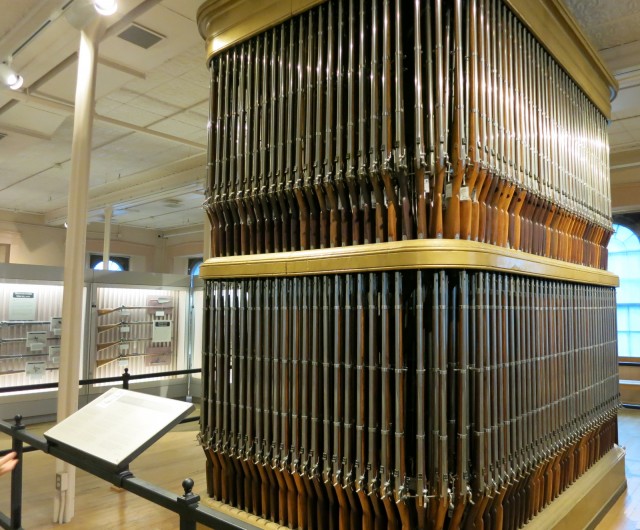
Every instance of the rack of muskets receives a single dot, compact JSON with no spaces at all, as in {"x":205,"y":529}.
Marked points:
{"x":416,"y":398}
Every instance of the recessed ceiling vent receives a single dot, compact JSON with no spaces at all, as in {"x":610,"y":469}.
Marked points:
{"x":141,"y":36}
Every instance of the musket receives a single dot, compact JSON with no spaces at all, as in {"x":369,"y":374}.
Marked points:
{"x":515,"y":212}
{"x":299,"y":499}
{"x":268,"y":360}
{"x":277,"y":442}
{"x":380,"y":224}
{"x":462,"y":489}
{"x":332,"y":163}
{"x":233,"y":181}
{"x":250,"y":112}
{"x":5,"y":323}
{"x":341,"y":166}
{"x":340,"y":400}
{"x":244,"y":389}
{"x":452,"y":218}
{"x":256,"y":156}
{"x":107,"y":311}
{"x":404,"y":508}
{"x":436,"y":228}
{"x":237,"y":376}
{"x":23,"y":356}
{"x":122,"y":324}
{"x":24,"y":339}
{"x":219,"y":485}
{"x":323,"y":163}
{"x":399,"y":153}
{"x":363,"y":384}
{"x":208,"y":385}
{"x":374,"y":459}
{"x":307,"y":161}
{"x":223,"y":183}
{"x":259,"y":449}
{"x":228,"y":475}
{"x":104,"y":345}
{"x":386,"y":148}
{"x":214,"y":158}
{"x":272,"y":184}
{"x":262,"y":190}
{"x":330,"y":435}
{"x":352,"y":372}
{"x":422,"y":409}
{"x":281,"y":184}
{"x":364,"y":191}
{"x":315,"y":459}
{"x":350,"y":165}
{"x":441,"y":461}
{"x":252,"y":381}
{"x":387,"y":401}
{"x":419,"y":158}
{"x":289,"y":167}
{"x":299,"y":131}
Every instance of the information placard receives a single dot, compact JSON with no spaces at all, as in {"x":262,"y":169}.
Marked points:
{"x":22,"y":305}
{"x":119,"y":425}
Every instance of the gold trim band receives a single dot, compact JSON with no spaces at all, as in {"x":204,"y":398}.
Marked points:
{"x":403,"y":255}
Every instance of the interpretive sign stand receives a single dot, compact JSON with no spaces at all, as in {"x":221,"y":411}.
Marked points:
{"x":118,"y":426}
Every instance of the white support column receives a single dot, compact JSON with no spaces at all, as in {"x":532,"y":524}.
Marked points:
{"x":106,"y":246}
{"x":75,"y":250}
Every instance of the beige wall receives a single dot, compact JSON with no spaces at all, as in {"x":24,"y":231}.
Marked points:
{"x":29,"y":241}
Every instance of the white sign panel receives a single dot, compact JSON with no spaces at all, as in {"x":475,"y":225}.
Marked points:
{"x":119,"y":425}
{"x":35,"y":369}
{"x":36,"y":340}
{"x":162,"y":331}
{"x":22,"y":305}
{"x":56,"y":326}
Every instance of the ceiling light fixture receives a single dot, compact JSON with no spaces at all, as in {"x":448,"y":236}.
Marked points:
{"x":105,"y":7}
{"x":9,"y":77}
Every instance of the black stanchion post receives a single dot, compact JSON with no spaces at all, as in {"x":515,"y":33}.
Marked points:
{"x":16,"y":477}
{"x":125,"y":379}
{"x":186,"y":503}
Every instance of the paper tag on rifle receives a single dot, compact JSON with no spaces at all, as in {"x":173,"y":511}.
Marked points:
{"x":36,"y":346}
{"x":125,"y":329}
{"x":373,"y":200}
{"x":159,"y":313}
{"x":125,"y":312}
{"x":426,"y":186}
{"x":124,"y":347}
{"x":54,"y":354}
{"x":448,"y":190}
{"x":123,"y":362}
{"x":56,"y":326}
{"x":35,"y":369}
{"x":464,"y":193}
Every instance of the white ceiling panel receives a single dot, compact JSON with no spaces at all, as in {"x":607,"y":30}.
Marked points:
{"x":185,"y":8}
{"x":23,"y":115}
{"x":63,"y":85}
{"x":134,"y":115}
{"x":179,"y":128}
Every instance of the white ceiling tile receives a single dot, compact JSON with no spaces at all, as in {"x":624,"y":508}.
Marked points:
{"x":134,"y":115}
{"x":176,"y":128}
{"x":152,"y":104}
{"x":23,"y":115}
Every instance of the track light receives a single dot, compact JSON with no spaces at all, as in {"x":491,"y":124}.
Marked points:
{"x":9,"y":77}
{"x":105,"y":7}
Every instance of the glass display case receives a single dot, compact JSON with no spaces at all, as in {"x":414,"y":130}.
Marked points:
{"x":147,"y":323}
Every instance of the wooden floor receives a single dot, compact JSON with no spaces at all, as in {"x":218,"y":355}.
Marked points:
{"x":177,"y":456}
{"x":625,"y":513}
